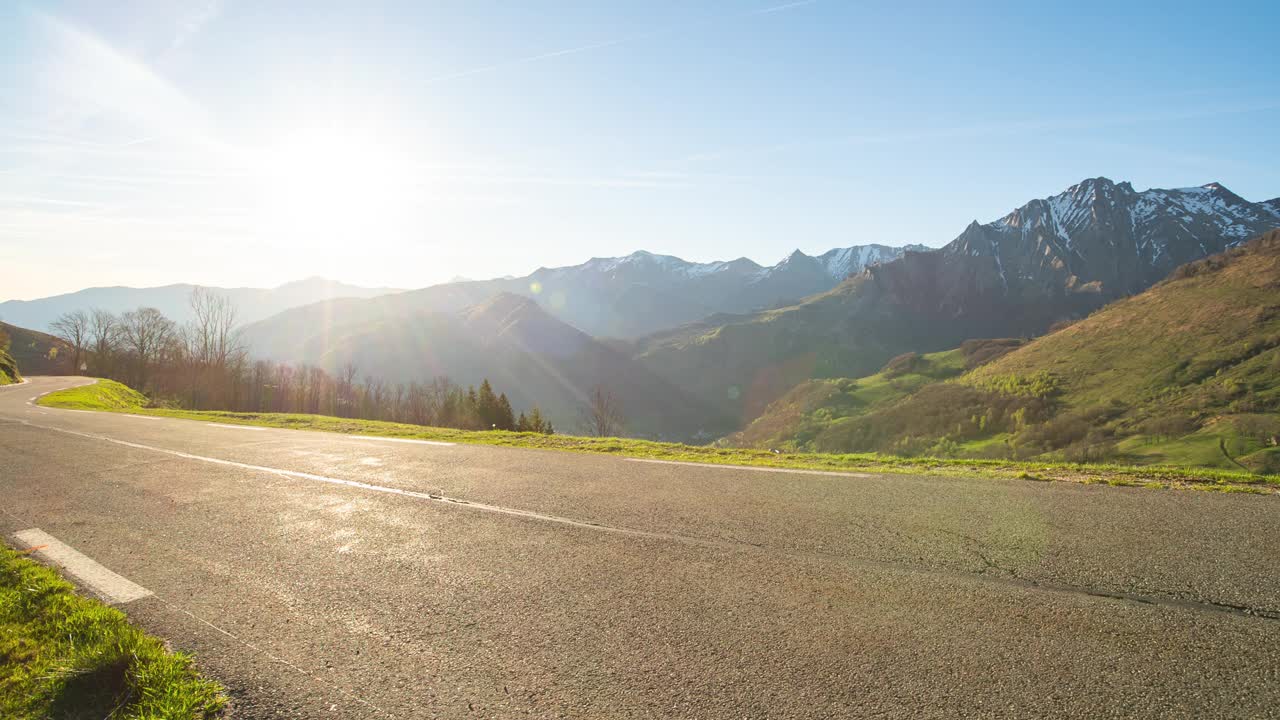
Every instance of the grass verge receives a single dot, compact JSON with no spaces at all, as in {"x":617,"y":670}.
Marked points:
{"x":112,"y":396}
{"x":63,"y":655}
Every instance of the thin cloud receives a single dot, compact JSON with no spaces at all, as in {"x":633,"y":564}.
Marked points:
{"x":979,"y":130}
{"x":193,"y":23}
{"x":96,"y":78}
{"x":613,"y":42}
{"x":783,"y":7}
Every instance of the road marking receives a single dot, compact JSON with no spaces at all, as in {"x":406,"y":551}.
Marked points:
{"x":754,"y":468}
{"x":368,"y":486}
{"x":401,"y":440}
{"x":234,"y":427}
{"x":141,"y":417}
{"x":676,"y":537}
{"x":114,"y":588}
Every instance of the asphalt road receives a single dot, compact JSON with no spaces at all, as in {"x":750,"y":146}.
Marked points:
{"x":323,"y":576}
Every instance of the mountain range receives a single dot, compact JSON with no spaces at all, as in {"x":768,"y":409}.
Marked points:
{"x":696,"y":350}
{"x":618,"y":297}
{"x":1187,"y":372}
{"x":1052,"y":259}
{"x":543,"y":354}
{"x":252,"y":304}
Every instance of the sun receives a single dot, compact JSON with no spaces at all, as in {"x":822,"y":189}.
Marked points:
{"x":333,"y":188}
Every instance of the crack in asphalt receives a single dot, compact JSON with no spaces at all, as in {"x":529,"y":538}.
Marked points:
{"x":1010,"y":577}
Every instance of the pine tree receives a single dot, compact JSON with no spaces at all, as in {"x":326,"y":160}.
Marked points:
{"x":487,"y":406}
{"x":539,"y":424}
{"x":522,"y":423}
{"x":503,"y":417}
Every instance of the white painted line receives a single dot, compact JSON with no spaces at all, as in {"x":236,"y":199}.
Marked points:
{"x":235,"y":427}
{"x":754,"y":468}
{"x":88,"y":572}
{"x":401,"y":440}
{"x":141,"y":417}
{"x":373,"y":488}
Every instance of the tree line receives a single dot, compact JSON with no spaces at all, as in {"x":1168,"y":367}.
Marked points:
{"x":203,"y":365}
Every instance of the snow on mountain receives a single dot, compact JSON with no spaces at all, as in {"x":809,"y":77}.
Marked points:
{"x":1098,"y":231}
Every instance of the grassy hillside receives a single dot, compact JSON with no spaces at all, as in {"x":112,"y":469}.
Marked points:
{"x":800,"y":417}
{"x":37,"y":353}
{"x":102,"y":395}
{"x":1185,"y":373}
{"x":8,"y":366}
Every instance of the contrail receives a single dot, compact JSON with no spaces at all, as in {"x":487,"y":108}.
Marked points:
{"x":611,"y":43}
{"x":780,"y":8}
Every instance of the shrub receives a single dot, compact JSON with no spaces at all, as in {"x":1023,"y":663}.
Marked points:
{"x":1170,"y":426}
{"x":902,"y":364}
{"x":981,"y":352}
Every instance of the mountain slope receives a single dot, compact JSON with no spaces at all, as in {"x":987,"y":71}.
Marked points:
{"x":624,"y":297}
{"x":252,"y":303}
{"x":534,"y":357}
{"x":1186,"y":372}
{"x":809,"y":410}
{"x":37,"y":353}
{"x":1049,"y":260}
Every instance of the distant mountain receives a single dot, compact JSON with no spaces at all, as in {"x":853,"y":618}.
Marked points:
{"x":1051,"y":259}
{"x":523,"y":350}
{"x":252,"y":303}
{"x":1186,"y":372}
{"x":1105,"y":233}
{"x":620,"y":297}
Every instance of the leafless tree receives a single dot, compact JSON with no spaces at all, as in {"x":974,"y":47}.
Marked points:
{"x":602,"y":415}
{"x":73,"y":329}
{"x":104,"y":339}
{"x":213,"y":338}
{"x":346,"y":389}
{"x":146,"y":333}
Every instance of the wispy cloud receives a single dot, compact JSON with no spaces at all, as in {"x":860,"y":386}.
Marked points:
{"x":31,"y":200}
{"x":1053,"y":124}
{"x":193,"y":22}
{"x":634,"y":37}
{"x":783,"y":7}
{"x":94,"y":78}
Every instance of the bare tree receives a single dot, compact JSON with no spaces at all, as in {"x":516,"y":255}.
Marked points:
{"x":346,"y":389}
{"x":213,"y":338}
{"x":73,"y":329}
{"x":602,"y":415}
{"x":146,"y":333}
{"x":104,"y":339}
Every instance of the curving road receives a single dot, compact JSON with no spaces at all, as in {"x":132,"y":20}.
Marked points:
{"x":325,"y":576}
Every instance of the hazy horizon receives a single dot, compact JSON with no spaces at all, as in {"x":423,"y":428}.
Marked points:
{"x":236,"y":145}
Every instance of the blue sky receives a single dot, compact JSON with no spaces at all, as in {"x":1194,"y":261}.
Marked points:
{"x":404,"y":143}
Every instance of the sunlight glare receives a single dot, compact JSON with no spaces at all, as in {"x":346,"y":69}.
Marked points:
{"x":330,"y":189}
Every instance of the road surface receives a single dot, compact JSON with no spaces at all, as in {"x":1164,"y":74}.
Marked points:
{"x":325,"y":576}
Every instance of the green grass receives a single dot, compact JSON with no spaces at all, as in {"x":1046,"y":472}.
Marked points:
{"x":102,"y":395}
{"x":63,"y":655}
{"x":793,"y":421}
{"x":8,"y":368}
{"x":119,"y":398}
